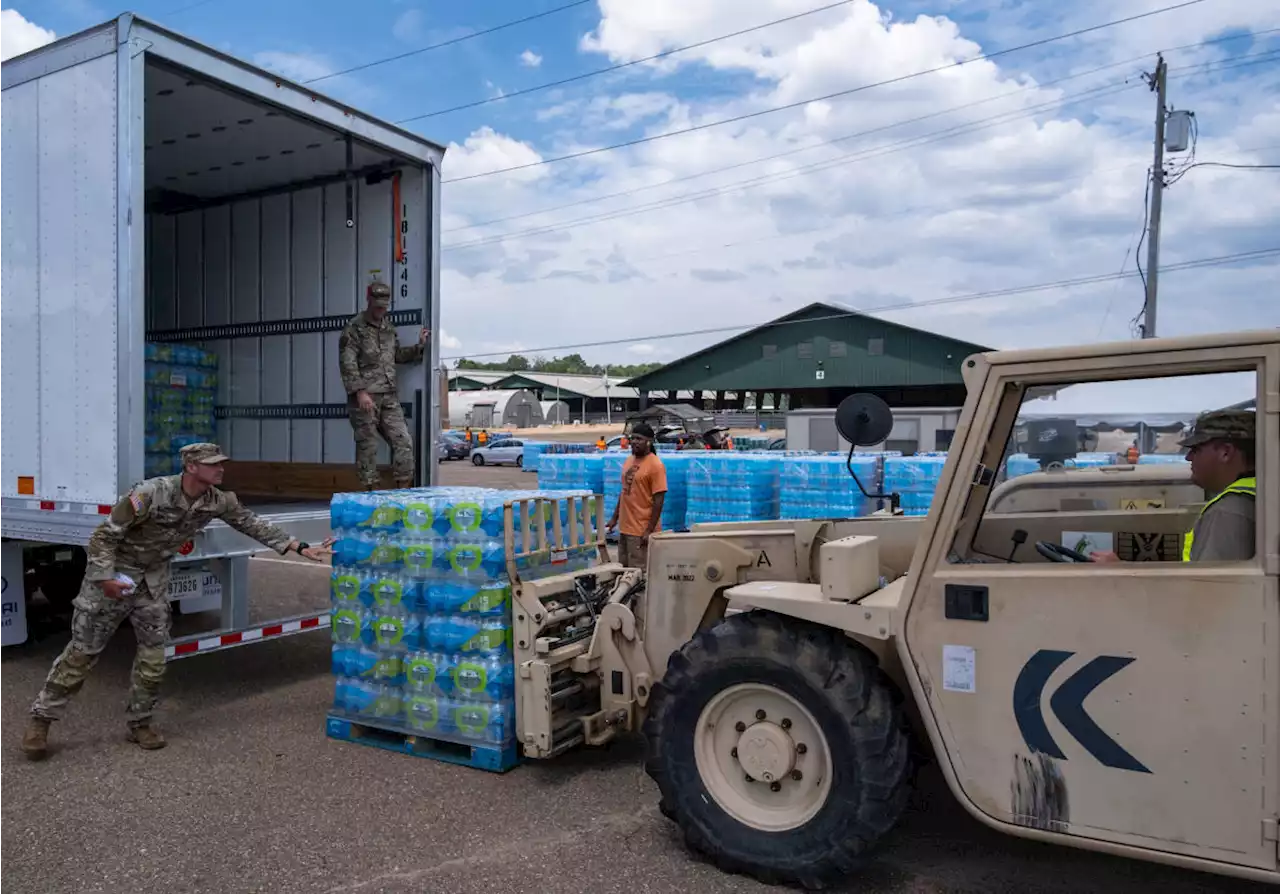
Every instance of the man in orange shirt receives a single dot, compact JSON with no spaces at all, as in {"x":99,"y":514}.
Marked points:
{"x":644,"y":489}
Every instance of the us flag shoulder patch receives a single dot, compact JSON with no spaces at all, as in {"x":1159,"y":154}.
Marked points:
{"x":135,"y":501}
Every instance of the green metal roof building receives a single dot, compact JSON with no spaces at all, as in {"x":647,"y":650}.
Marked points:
{"x":814,"y":357}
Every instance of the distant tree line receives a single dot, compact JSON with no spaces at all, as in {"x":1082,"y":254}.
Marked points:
{"x":571,"y":364}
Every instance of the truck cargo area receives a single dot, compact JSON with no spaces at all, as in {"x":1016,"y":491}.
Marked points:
{"x":262,"y":230}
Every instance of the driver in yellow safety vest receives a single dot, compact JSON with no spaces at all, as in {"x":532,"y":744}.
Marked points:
{"x":1221,"y":448}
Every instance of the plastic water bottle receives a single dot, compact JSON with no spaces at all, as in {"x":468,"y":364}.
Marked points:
{"x":483,"y":679}
{"x":347,"y":624}
{"x":424,"y":712}
{"x":488,"y":722}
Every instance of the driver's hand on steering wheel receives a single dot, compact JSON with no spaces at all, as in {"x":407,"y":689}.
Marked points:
{"x":1104,"y":557}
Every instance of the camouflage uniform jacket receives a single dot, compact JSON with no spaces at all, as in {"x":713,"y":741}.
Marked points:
{"x":152,"y":522}
{"x":368,"y":353}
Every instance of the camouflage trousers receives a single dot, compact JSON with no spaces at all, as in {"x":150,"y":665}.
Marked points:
{"x":95,"y":621}
{"x":386,"y":419}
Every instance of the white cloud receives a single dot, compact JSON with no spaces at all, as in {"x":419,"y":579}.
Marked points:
{"x":642,"y":350}
{"x":18,"y":36}
{"x":486,"y":150}
{"x":449,"y":342}
{"x":530,"y":59}
{"x":408,"y":26}
{"x":903,"y":215}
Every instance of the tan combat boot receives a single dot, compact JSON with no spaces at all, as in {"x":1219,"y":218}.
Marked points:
{"x":146,"y":737}
{"x":404,"y":483}
{"x":35,"y":741}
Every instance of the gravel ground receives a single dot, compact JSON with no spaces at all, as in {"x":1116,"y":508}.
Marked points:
{"x":250,"y":796}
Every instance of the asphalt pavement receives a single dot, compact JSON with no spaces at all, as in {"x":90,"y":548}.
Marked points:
{"x":250,"y":796}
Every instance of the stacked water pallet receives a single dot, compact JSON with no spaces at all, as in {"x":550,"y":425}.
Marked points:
{"x":421,"y":621}
{"x":181,"y":384}
{"x":728,"y":486}
{"x":821,"y":486}
{"x":571,"y":471}
{"x":914,"y":479}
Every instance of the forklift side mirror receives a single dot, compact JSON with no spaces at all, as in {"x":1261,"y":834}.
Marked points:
{"x":864,"y":420}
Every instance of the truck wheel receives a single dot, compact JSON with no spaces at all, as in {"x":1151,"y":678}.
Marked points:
{"x":779,"y":749}
{"x":60,"y":581}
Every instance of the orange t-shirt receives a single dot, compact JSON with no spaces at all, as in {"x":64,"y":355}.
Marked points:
{"x":642,"y":479}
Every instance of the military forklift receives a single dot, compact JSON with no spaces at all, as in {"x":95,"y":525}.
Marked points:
{"x":784,"y":673}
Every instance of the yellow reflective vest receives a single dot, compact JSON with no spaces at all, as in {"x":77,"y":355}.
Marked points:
{"x":1239,"y":486}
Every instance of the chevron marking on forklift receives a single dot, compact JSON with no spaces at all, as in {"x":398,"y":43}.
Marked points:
{"x":1067,"y":704}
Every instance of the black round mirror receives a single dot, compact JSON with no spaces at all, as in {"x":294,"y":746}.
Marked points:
{"x":864,"y":420}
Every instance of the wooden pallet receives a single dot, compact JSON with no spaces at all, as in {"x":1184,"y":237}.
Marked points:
{"x":482,"y":757}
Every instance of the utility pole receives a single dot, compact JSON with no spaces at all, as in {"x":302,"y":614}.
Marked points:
{"x":1157,"y":83}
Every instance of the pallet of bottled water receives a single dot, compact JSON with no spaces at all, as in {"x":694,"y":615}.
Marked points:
{"x":727,"y":486}
{"x":531,"y":454}
{"x":421,"y":615}
{"x":821,"y":486}
{"x":914,"y":479}
{"x":571,"y":471}
{"x":181,"y":384}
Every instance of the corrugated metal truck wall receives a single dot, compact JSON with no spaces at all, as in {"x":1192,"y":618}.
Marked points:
{"x":282,"y":257}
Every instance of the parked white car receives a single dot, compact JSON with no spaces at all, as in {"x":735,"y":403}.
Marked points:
{"x":499,"y":452}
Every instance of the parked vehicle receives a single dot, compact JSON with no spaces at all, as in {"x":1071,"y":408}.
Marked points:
{"x":452,"y":447}
{"x":505,"y":452}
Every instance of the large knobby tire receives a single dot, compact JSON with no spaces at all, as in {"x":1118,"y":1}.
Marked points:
{"x":813,"y":831}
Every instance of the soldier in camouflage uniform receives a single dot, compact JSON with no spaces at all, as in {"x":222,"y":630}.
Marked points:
{"x":368,"y":353}
{"x":145,"y":529}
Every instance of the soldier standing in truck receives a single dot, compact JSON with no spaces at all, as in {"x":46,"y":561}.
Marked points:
{"x":128,"y":577}
{"x":368,"y":352}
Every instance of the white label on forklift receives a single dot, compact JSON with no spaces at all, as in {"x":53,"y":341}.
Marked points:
{"x":958,"y":669}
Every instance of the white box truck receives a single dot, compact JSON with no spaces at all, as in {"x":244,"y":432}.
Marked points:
{"x":157,"y":191}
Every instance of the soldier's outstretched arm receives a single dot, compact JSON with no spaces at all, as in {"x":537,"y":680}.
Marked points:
{"x":238,"y":516}
{"x":132,"y":508}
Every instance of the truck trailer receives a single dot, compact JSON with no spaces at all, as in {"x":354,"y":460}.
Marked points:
{"x":161,"y":194}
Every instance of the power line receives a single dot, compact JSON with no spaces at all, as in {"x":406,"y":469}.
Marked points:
{"x":831,"y":142}
{"x":815,"y":167}
{"x":687,"y":177}
{"x":1223,"y":164}
{"x":600,"y":71}
{"x":730,"y":36}
{"x":839,"y":93}
{"x":471,"y":35}
{"x":1196,"y":264}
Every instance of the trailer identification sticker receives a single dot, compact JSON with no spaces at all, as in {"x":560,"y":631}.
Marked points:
{"x":959,"y":671}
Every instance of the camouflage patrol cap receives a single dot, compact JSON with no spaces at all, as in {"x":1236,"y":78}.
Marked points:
{"x":380,"y":294}
{"x":1221,"y":425}
{"x":205,"y":454}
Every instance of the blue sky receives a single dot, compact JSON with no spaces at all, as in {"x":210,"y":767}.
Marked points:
{"x":1054,"y":191}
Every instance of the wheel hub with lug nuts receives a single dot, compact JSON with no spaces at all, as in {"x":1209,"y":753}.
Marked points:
{"x":762,"y":757}
{"x":766,"y":752}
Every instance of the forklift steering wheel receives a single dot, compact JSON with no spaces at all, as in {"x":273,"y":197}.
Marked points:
{"x":1056,"y":553}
